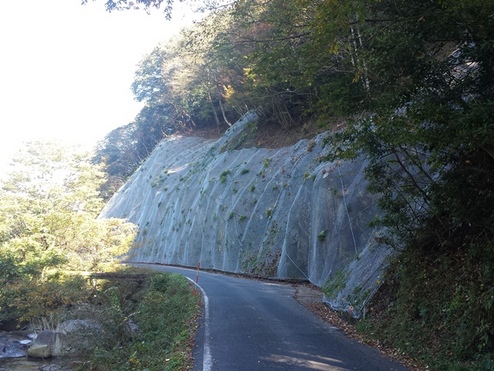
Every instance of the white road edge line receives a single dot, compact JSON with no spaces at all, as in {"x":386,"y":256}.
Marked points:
{"x":207,"y":361}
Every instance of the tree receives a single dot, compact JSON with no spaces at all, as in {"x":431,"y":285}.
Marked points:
{"x":48,"y":208}
{"x":190,"y":79}
{"x":48,"y":212}
{"x":427,"y":132}
{"x":165,"y":5}
{"x":428,"y":135}
{"x":148,"y":85}
{"x":112,"y":5}
{"x":116,"y":153}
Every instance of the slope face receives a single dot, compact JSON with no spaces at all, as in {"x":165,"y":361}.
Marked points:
{"x":274,"y":213}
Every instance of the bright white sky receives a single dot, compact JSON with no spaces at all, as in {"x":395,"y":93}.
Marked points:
{"x":66,"y":69}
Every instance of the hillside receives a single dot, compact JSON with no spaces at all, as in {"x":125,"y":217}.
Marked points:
{"x":415,"y":82}
{"x":282,"y":213}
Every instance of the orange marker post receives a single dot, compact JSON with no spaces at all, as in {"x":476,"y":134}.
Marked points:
{"x":197,"y":277}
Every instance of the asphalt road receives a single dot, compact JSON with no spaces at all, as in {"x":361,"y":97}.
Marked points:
{"x":251,"y":325}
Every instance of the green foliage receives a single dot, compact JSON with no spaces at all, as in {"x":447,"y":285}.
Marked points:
{"x":441,"y":309}
{"x":335,"y":284}
{"x":224,"y":174}
{"x":241,"y":57}
{"x":47,"y":213}
{"x":322,"y":235}
{"x":112,"y":5}
{"x":48,"y":209}
{"x":427,"y":134}
{"x":142,"y":320}
{"x":24,"y":300}
{"x":164,"y":312}
{"x":124,"y":149}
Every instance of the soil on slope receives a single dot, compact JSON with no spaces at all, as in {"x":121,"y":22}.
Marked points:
{"x":270,"y":135}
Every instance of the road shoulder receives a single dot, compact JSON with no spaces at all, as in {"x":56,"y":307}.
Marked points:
{"x":311,"y":297}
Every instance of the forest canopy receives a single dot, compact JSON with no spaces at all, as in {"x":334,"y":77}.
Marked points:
{"x":49,"y":205}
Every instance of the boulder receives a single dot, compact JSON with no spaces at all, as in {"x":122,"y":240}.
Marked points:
{"x":39,"y":351}
{"x":78,"y":325}
{"x":47,"y":344}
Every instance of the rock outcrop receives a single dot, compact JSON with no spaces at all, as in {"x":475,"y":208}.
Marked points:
{"x":283,"y":213}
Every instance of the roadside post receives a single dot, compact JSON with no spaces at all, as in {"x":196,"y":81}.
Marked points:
{"x":197,"y":277}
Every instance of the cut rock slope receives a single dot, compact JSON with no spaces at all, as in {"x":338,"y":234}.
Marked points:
{"x":281,"y":213}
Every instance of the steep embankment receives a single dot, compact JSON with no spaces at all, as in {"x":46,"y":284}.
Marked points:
{"x":279,"y":213}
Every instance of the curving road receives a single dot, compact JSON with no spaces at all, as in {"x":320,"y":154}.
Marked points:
{"x":250,"y":325}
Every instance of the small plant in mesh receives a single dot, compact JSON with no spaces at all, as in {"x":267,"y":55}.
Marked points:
{"x":322,"y":235}
{"x":224,"y":176}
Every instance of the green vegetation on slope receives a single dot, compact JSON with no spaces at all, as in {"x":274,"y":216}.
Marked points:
{"x":148,"y":323}
{"x":437,"y":308}
{"x":414,"y":82}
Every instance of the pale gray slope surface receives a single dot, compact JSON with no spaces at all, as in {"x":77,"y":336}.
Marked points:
{"x":281,"y":213}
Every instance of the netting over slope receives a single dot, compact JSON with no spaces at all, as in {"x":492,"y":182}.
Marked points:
{"x":276,"y":213}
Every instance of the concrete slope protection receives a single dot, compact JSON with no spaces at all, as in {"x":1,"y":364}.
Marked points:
{"x":258,"y":325}
{"x":284,"y":213}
